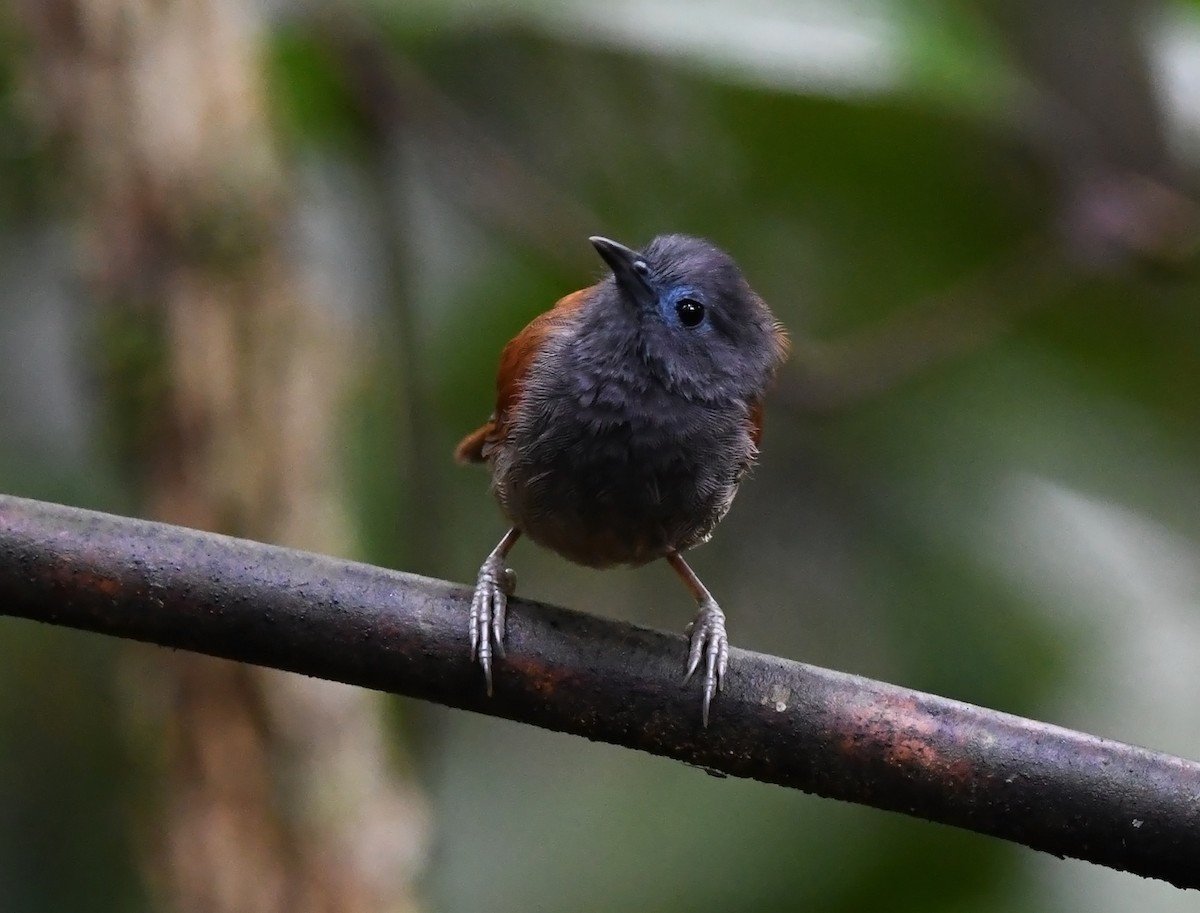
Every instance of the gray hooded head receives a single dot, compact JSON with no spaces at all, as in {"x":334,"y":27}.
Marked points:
{"x":696,"y":323}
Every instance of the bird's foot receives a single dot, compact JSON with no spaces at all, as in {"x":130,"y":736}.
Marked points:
{"x":710,"y":643}
{"x":489,"y":608}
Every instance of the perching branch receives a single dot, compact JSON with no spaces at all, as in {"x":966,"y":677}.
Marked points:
{"x":779,"y":721}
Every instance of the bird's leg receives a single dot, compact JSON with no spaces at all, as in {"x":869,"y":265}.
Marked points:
{"x":708,"y":637}
{"x":490,"y":603}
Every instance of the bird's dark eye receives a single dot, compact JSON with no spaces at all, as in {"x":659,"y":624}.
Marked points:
{"x":690,"y":311}
{"x":641,"y":267}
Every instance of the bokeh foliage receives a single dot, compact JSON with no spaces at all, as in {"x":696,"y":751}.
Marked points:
{"x":953,"y":531}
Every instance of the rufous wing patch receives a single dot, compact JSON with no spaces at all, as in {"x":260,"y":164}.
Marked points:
{"x":515,"y":361}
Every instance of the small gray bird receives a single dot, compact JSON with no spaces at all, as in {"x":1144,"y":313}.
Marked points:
{"x":626,"y":417}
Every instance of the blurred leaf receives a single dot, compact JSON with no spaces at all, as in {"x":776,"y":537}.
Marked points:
{"x":309,"y":92}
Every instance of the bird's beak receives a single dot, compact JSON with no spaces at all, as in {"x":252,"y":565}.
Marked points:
{"x":628,"y":266}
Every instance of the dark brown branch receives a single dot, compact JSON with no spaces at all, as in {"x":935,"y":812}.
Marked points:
{"x":783,"y":722}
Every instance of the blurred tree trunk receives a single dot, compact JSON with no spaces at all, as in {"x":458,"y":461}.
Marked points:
{"x":228,"y":381}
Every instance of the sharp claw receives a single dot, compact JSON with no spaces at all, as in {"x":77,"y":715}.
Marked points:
{"x":498,"y":636}
{"x":693,"y":664}
{"x":708,"y":641}
{"x":485,"y":649}
{"x":488,"y":614}
{"x":499,"y":618}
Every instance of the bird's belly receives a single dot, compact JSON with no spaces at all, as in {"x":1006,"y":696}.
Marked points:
{"x":599,"y":500}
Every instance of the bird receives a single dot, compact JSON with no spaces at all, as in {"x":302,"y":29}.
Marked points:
{"x":625,"y":419}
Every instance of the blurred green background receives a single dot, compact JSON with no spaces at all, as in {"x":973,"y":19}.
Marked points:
{"x":980,"y":472}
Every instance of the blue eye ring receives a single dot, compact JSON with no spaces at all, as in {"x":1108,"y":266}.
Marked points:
{"x":690,"y":312}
